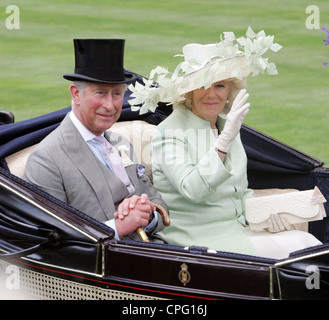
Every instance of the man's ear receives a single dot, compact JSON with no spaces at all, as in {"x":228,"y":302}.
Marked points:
{"x":75,"y":93}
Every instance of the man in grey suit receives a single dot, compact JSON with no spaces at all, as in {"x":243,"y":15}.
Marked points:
{"x":76,"y":167}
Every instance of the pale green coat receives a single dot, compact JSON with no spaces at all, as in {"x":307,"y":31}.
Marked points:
{"x":205,"y":196}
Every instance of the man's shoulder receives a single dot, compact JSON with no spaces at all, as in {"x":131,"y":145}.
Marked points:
{"x":51,"y":141}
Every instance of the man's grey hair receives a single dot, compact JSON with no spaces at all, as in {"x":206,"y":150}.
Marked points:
{"x":81,"y":85}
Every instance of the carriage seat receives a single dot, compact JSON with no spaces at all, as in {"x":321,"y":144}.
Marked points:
{"x":137,"y":132}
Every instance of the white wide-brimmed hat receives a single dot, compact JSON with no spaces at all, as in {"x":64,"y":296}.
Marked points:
{"x":231,"y":58}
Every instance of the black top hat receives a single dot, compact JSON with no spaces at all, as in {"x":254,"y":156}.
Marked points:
{"x":99,"y":60}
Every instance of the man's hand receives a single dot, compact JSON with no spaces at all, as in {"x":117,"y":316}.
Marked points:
{"x":133,"y":212}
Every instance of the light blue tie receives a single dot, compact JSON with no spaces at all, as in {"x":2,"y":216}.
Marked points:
{"x":114,"y":162}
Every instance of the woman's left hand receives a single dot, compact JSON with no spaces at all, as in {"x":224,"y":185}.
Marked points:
{"x":278,"y":224}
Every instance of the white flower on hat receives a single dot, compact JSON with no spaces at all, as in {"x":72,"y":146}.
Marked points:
{"x":202,"y":66}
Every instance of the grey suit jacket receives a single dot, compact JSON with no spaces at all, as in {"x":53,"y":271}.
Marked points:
{"x":64,"y":166}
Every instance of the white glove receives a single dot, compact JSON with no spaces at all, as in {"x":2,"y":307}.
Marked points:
{"x":233,"y":123}
{"x":278,"y":224}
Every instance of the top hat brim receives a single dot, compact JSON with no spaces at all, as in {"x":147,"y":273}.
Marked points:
{"x":129,"y":77}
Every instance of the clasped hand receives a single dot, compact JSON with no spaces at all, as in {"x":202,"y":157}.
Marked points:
{"x":132,"y":213}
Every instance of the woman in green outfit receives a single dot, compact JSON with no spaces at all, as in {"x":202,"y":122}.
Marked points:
{"x":199,"y":164}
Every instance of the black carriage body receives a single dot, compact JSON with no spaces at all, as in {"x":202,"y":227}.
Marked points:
{"x":84,"y":250}
{"x":86,"y":253}
{"x":40,"y":234}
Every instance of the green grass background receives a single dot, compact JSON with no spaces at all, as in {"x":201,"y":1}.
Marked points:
{"x":291,"y":107}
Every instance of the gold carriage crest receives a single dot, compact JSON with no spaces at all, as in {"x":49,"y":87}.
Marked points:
{"x":184,"y":276}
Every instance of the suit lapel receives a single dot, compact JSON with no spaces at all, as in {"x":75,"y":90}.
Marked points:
{"x":131,"y":170}
{"x":103,"y":182}
{"x":132,"y":174}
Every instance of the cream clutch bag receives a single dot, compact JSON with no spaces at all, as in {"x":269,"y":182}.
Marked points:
{"x":296,"y":207}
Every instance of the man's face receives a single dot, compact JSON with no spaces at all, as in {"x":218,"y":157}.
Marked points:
{"x":99,"y":106}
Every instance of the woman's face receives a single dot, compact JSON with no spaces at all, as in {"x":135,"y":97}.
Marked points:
{"x":208,"y":104}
